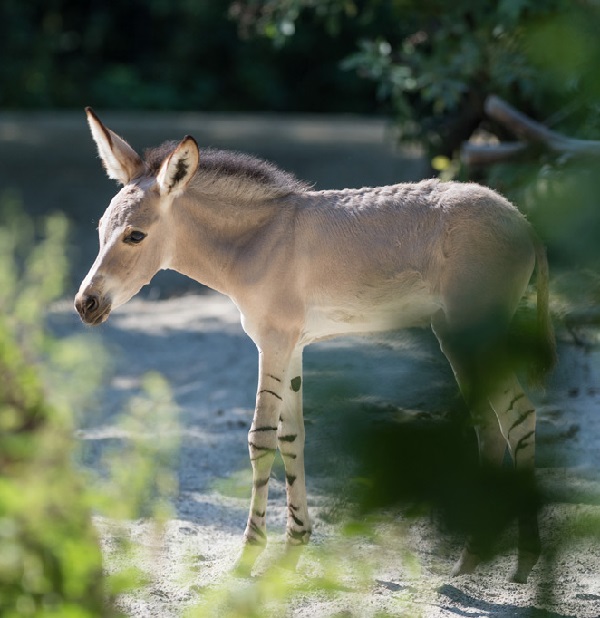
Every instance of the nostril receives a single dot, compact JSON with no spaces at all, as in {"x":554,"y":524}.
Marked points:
{"x":92,"y":308}
{"x":91,"y":303}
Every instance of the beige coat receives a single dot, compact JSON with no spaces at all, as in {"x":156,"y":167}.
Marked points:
{"x":304,"y":265}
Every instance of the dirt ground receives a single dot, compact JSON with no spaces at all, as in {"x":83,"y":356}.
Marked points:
{"x":401,"y":566}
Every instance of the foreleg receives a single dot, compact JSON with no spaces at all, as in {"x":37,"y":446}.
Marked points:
{"x":262,"y":444}
{"x":290,"y":437}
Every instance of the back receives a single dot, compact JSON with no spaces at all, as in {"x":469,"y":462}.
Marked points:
{"x":367,"y":237}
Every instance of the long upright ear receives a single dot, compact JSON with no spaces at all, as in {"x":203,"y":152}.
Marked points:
{"x":179,"y":168}
{"x":120,"y":160}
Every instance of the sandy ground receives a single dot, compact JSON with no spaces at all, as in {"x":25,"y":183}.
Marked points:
{"x":401,"y":566}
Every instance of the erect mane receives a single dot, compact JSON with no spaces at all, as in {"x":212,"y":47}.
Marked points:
{"x":233,"y":174}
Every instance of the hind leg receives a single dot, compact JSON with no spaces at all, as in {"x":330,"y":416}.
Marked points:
{"x":492,"y":448}
{"x":516,"y":416}
{"x":469,"y":360}
{"x":503,"y":416}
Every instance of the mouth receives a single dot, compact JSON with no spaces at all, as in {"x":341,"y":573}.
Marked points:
{"x":96,"y":321}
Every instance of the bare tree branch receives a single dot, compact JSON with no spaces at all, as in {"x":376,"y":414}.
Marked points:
{"x":530,"y":132}
{"x":487,"y":154}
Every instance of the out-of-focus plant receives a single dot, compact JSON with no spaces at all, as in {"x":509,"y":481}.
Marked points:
{"x":341,"y":568}
{"x":50,"y":560}
{"x":138,"y":481}
{"x":165,"y":55}
{"x":436,"y":62}
{"x":142,"y":470}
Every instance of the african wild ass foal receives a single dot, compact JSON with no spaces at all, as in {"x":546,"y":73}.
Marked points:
{"x":304,"y":265}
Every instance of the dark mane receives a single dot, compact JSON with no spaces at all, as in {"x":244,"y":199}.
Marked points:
{"x":230,"y":165}
{"x":155,"y":156}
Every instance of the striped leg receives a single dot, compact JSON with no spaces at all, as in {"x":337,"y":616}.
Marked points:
{"x":492,"y":447}
{"x":480,"y":368}
{"x":476,"y":359}
{"x":262,"y":445}
{"x":516,"y":415}
{"x":290,"y":437}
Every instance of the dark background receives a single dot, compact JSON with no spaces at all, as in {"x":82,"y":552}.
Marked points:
{"x":160,"y":55}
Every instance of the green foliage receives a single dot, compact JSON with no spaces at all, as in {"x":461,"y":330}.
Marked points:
{"x":435,"y":62}
{"x":276,"y":19}
{"x":142,"y":469}
{"x":432,"y":63}
{"x":341,"y":567}
{"x":236,"y":485}
{"x":559,"y":196}
{"x":165,"y":55}
{"x":50,"y":562}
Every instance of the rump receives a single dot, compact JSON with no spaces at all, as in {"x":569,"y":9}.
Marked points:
{"x":487,"y":258}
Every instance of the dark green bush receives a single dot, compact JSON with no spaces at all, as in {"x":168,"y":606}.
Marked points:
{"x":167,"y":56}
{"x":435,"y":62}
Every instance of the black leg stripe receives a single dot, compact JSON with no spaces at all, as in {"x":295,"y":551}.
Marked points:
{"x":260,"y":448}
{"x":274,"y":377}
{"x":521,"y":419}
{"x":512,"y":403}
{"x":264,"y":390}
{"x":290,"y":478}
{"x":297,"y":535}
{"x":289,"y":438}
{"x":263,"y":429}
{"x":297,"y":521}
{"x":261,"y":482}
{"x":522,"y":443}
{"x":289,"y":455}
{"x":259,"y":513}
{"x":257,"y":530}
{"x":293,"y":507}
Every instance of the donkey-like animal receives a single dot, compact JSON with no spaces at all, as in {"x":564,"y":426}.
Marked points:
{"x":304,"y":265}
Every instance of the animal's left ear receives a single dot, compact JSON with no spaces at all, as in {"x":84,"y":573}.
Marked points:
{"x":178,"y":169}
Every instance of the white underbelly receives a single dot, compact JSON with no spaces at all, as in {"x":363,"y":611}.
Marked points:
{"x":328,"y":320}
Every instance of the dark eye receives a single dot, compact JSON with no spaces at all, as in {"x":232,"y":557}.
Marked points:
{"x":134,"y":237}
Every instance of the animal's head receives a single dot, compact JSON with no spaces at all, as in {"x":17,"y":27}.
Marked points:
{"x":134,"y":239}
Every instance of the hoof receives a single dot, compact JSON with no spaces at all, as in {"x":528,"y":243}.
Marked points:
{"x":290,"y":558}
{"x":517,"y":577}
{"x":527,"y":560}
{"x":245,"y":561}
{"x":466,"y":564}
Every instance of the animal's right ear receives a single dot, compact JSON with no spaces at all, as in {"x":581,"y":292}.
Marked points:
{"x":120,"y":160}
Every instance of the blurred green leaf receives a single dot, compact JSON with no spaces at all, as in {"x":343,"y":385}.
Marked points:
{"x":50,"y":561}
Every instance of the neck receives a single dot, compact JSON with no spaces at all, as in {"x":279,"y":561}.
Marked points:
{"x":214,"y":240}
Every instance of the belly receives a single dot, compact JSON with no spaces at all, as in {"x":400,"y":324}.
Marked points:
{"x":358,"y":316}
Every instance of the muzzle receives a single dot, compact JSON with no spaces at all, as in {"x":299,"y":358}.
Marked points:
{"x":92,"y":308}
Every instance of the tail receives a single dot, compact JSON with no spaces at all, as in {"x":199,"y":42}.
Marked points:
{"x":545,"y":357}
